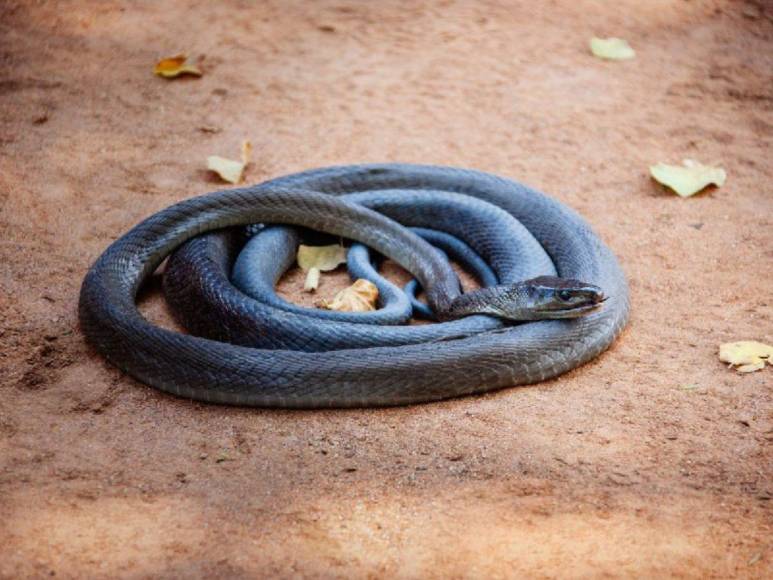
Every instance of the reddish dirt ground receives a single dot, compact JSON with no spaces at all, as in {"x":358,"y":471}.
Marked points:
{"x":653,"y":460}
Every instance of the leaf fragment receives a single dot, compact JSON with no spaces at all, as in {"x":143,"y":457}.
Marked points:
{"x":689,"y":178}
{"x":228,"y":169}
{"x":754,"y":559}
{"x":611,"y":48}
{"x":746,"y":355}
{"x":312,"y":280}
{"x":688,"y":387}
{"x":316,"y":259}
{"x":175,"y":66}
{"x":359,"y":297}
{"x":246,"y":152}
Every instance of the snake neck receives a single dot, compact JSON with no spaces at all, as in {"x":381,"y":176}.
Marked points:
{"x":482,"y":301}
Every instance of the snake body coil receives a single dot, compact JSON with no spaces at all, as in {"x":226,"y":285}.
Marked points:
{"x":335,"y":363}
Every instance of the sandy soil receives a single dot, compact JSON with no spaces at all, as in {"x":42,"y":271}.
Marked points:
{"x":654,"y":460}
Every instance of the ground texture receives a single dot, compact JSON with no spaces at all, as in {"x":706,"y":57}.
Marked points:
{"x":653,"y":460}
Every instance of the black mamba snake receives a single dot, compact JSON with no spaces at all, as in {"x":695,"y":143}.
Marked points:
{"x":355,"y":368}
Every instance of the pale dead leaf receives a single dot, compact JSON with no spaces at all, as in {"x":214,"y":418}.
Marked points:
{"x":746,"y":355}
{"x":316,"y":259}
{"x":689,"y":178}
{"x":228,"y":169}
{"x":611,"y":48}
{"x":359,"y":297}
{"x":175,"y":66}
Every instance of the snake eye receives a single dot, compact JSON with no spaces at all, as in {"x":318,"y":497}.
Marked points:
{"x":565,"y":295}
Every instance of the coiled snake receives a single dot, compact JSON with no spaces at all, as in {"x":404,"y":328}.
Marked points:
{"x":276,"y":355}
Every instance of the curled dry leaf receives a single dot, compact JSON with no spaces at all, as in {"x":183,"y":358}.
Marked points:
{"x":359,"y":297}
{"x":228,"y":169}
{"x":175,"y":66}
{"x":688,"y":179}
{"x":746,"y":355}
{"x":316,"y":259}
{"x":611,"y":48}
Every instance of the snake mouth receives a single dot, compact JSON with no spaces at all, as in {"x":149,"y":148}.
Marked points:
{"x":587,"y":307}
{"x":575,"y":312}
{"x":593,"y":302}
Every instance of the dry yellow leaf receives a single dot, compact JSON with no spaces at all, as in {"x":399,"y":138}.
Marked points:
{"x":228,"y":169}
{"x":175,"y":66}
{"x":359,"y":297}
{"x":611,"y":48}
{"x":689,"y":178}
{"x":746,"y":355}
{"x":316,"y":259}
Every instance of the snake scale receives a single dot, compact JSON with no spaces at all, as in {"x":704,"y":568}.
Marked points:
{"x":288,"y":359}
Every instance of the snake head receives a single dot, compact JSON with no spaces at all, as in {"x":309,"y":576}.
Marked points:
{"x":553,"y":297}
{"x":536,"y":299}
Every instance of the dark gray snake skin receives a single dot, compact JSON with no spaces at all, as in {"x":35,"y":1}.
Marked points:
{"x":458,"y":363}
